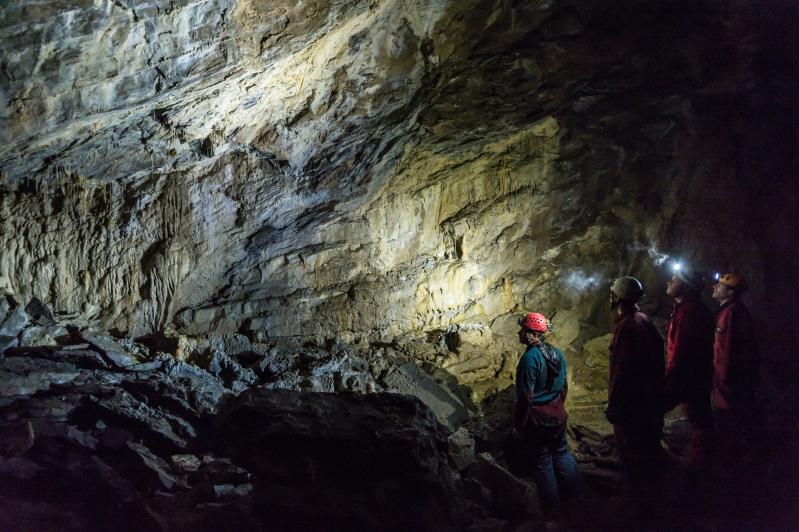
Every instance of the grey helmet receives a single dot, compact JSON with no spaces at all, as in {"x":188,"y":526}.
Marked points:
{"x":628,"y":288}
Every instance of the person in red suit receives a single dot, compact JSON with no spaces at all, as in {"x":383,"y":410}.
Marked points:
{"x":689,"y":362}
{"x":736,"y":371}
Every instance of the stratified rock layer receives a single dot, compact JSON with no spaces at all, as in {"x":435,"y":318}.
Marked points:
{"x":385,"y":172}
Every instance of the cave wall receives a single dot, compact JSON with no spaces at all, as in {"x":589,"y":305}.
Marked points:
{"x":380,"y":171}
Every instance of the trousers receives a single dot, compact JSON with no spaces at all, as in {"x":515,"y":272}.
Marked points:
{"x":556,"y":473}
{"x":643,"y":460}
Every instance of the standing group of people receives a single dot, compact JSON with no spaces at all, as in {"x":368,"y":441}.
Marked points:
{"x":709,"y":367}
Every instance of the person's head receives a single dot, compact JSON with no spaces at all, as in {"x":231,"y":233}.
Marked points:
{"x":684,"y":282}
{"x":625,"y":292}
{"x":728,"y":286}
{"x":532,"y":328}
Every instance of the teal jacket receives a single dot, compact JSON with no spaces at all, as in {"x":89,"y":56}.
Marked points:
{"x":540,"y":379}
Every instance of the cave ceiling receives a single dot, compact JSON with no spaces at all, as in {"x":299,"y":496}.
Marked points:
{"x":369,"y":170}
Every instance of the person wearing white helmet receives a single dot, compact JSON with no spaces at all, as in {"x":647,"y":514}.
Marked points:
{"x":635,"y":393}
{"x":689,"y":364}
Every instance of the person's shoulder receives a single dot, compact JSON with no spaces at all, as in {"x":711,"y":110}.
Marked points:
{"x":533,"y":353}
{"x":642,"y":324}
{"x":699,"y":307}
{"x":738,"y":305}
{"x":738,"y":309}
{"x":555,"y":349}
{"x":624,"y":323}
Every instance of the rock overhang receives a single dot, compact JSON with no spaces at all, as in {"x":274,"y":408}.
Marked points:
{"x":366,"y":170}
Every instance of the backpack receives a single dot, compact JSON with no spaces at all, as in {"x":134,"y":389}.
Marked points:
{"x":546,"y":421}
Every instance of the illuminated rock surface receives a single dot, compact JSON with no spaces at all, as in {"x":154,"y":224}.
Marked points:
{"x":372,"y":171}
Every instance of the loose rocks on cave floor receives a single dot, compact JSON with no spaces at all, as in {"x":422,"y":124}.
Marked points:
{"x":100,"y":432}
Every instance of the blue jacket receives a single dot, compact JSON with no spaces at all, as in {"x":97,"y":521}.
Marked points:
{"x":540,"y":380}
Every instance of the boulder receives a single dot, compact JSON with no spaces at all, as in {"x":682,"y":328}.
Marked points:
{"x":81,"y":358}
{"x":109,"y":347}
{"x":185,"y":463}
{"x":16,"y":439}
{"x":18,"y":467}
{"x":461,"y":448}
{"x":317,"y":370}
{"x":39,"y":312}
{"x":341,"y":461}
{"x":43,"y":335}
{"x":472,"y":363}
{"x":232,"y":344}
{"x":410,"y":379}
{"x":7,"y":342}
{"x":194,"y":389}
{"x":161,"y":430}
{"x":230,"y":372}
{"x":5,"y":307}
{"x":26,"y":376}
{"x":513,"y":497}
{"x":161,"y":475}
{"x":14,"y":322}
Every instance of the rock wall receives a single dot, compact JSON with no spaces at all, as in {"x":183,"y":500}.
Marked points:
{"x":383,"y":171}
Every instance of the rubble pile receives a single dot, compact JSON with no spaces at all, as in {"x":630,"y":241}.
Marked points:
{"x":99,"y":432}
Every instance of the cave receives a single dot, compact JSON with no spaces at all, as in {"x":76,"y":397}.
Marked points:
{"x":262,"y":262}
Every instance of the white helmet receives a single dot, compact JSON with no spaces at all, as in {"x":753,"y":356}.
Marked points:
{"x":628,"y":288}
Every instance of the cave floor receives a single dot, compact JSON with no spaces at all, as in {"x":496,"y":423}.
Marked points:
{"x":760,"y":494}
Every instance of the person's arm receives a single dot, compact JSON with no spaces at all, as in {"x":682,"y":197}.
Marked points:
{"x":743,"y":370}
{"x":528,"y":379}
{"x":722,"y":357}
{"x":619,"y":392}
{"x":525,"y":390}
{"x":677,"y":367}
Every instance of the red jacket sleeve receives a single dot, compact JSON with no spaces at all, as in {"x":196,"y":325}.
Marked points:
{"x":735,"y":355}
{"x":677,"y":340}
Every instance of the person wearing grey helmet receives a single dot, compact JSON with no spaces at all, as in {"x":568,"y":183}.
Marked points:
{"x":635,"y":394}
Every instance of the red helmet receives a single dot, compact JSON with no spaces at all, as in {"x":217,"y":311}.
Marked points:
{"x":534,"y":321}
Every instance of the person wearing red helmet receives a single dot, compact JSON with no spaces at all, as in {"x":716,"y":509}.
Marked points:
{"x":635,"y":394}
{"x":540,"y":414}
{"x":689,"y":362}
{"x":736,"y":372}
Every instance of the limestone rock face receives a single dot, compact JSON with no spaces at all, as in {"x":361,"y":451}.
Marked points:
{"x":389,"y":172}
